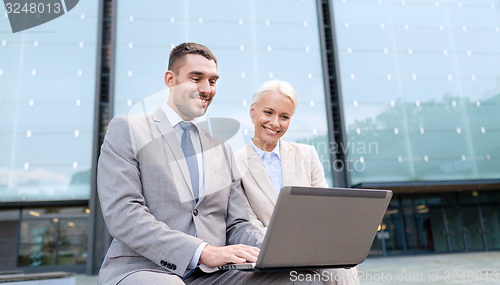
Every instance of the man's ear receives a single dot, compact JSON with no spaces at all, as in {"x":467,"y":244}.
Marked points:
{"x":169,"y":78}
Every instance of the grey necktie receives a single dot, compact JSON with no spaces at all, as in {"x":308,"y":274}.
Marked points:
{"x":190,"y":155}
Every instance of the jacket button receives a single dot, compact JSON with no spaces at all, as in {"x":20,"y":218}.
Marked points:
{"x":174,"y":267}
{"x":195,"y":212}
{"x":163,"y":263}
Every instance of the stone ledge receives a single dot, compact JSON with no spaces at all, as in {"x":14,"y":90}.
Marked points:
{"x":38,"y":278}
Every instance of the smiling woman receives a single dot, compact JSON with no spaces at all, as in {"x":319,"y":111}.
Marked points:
{"x":269,"y":163}
{"x":273,"y":106}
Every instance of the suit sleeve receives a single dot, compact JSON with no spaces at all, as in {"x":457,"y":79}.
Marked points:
{"x":317,"y":172}
{"x":124,"y":207}
{"x":239,"y":229}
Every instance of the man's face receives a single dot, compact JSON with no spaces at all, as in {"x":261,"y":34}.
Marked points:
{"x":193,"y":87}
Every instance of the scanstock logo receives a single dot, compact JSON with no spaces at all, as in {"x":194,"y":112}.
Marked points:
{"x":26,"y":14}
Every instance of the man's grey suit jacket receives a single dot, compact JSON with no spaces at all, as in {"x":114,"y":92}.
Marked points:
{"x":148,"y":204}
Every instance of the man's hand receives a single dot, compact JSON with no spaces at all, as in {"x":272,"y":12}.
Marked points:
{"x":213,"y":256}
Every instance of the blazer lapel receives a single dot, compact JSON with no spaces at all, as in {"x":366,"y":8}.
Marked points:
{"x":287,"y":164}
{"x":168,"y":133}
{"x":257,"y":170}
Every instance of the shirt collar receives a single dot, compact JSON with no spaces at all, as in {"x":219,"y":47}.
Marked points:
{"x":260,"y":152}
{"x":175,"y":118}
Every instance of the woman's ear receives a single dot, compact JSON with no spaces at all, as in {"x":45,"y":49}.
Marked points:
{"x":252,"y":111}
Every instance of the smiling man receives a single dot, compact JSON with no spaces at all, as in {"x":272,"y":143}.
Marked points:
{"x":170,"y":193}
{"x":191,"y":79}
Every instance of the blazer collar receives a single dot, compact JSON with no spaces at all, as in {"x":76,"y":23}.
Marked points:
{"x":257,"y":170}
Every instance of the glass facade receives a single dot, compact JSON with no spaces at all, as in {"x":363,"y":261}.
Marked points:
{"x":48,"y":80}
{"x":252,"y":43}
{"x":440,"y":222}
{"x":419,"y":85}
{"x":47,"y":101}
{"x":420,"y":97}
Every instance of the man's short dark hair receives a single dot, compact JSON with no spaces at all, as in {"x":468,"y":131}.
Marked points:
{"x":177,"y":54}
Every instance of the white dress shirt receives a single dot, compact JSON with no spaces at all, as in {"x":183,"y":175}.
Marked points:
{"x":272,"y":164}
{"x":175,"y":119}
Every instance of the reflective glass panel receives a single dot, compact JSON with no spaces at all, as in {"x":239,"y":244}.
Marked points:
{"x":37,"y":245}
{"x":48,"y":80}
{"x":420,"y":81}
{"x":53,"y":236}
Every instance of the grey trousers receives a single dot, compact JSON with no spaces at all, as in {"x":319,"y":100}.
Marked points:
{"x":243,"y":277}
{"x":220,"y":277}
{"x":327,"y":276}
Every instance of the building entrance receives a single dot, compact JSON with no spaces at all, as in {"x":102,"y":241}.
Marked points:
{"x":439,"y":223}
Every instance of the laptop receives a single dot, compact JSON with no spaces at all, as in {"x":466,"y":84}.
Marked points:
{"x":314,"y":228}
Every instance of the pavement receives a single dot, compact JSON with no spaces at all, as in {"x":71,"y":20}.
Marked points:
{"x":451,"y":268}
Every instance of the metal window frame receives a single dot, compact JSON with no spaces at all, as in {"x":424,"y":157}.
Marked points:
{"x":332,"y":84}
{"x":103,"y":111}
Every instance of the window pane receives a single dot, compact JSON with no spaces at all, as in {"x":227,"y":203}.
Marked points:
{"x":48,"y":79}
{"x":424,"y":91}
{"x":72,"y":247}
{"x":37,"y":243}
{"x":9,"y":223}
{"x":53,"y":236}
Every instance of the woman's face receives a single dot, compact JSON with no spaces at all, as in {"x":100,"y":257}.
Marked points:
{"x":271,"y":116}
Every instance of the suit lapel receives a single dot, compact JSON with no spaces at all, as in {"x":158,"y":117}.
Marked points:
{"x":287,"y":163}
{"x":168,"y":133}
{"x":259,"y":173}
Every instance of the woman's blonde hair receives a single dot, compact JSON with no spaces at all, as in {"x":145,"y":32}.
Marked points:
{"x":282,"y":87}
